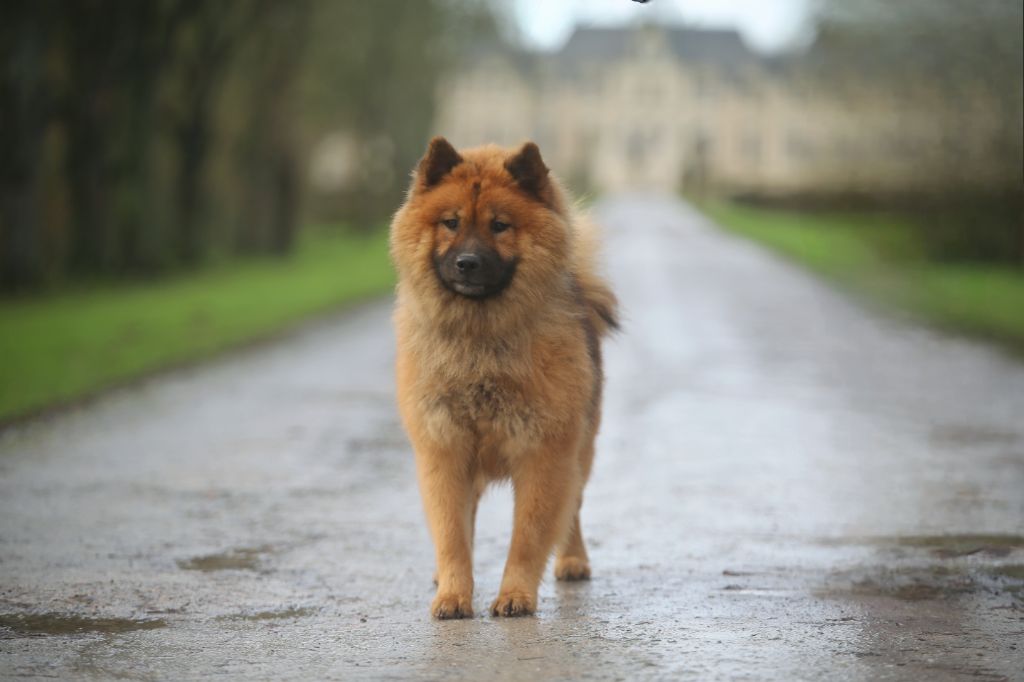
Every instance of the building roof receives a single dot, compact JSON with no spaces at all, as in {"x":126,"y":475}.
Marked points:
{"x":722,"y":47}
{"x":722,"y":50}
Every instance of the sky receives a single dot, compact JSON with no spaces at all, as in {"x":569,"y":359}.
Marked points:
{"x":765,"y":24}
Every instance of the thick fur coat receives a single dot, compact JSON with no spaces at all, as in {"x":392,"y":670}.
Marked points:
{"x":499,"y":317}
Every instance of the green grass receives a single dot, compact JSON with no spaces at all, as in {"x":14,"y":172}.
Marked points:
{"x":60,"y":347}
{"x":880,"y":256}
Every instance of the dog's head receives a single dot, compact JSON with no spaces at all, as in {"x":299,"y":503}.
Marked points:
{"x":481,"y":222}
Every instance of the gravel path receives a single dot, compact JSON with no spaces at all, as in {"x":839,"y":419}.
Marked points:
{"x":788,"y":486}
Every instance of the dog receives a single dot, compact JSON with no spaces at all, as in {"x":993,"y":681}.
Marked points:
{"x":499,"y":319}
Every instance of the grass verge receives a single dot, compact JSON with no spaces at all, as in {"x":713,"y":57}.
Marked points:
{"x":880,"y":256}
{"x":61,"y":347}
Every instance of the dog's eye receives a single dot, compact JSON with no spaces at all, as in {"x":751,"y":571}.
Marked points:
{"x":498,"y":226}
{"x":451,"y":223}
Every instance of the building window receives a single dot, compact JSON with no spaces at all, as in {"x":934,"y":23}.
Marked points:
{"x":798,"y":147}
{"x":750,"y":147}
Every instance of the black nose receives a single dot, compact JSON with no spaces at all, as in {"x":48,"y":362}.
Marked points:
{"x":467,"y":262}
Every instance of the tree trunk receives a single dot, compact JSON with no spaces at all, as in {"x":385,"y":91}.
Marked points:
{"x":24,"y":111}
{"x":286,"y":208}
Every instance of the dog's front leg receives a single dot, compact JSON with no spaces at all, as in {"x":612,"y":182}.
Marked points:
{"x":449,"y":498}
{"x":546,"y":484}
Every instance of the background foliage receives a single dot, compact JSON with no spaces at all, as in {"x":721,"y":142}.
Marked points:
{"x":143,"y":137}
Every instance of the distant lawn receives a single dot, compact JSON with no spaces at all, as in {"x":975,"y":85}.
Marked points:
{"x":879,"y":256}
{"x":60,"y":347}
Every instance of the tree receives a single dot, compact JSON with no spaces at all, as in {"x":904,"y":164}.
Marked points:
{"x":179,"y":128}
{"x":972,"y":52}
{"x":25,"y":108}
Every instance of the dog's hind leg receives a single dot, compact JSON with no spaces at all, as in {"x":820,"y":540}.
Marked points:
{"x":572,"y":562}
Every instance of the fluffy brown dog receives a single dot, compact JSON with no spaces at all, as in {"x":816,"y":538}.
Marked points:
{"x":499,"y":319}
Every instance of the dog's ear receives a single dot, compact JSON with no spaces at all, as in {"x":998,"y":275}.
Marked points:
{"x":438,"y":162}
{"x":528,"y":170}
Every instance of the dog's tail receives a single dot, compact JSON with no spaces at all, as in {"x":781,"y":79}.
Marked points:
{"x":601,"y":304}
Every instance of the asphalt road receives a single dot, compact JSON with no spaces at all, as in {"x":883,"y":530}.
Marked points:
{"x":787,"y":486}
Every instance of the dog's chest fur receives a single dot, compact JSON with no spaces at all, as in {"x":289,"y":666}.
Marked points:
{"x":487,"y":396}
{"x":494,"y":409}
{"x":488,"y":402}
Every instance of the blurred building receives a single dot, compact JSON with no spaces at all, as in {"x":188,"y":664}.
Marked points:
{"x":673,"y":109}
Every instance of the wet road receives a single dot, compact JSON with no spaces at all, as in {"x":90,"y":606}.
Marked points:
{"x":787,"y":486}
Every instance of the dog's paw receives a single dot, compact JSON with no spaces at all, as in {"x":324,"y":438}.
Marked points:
{"x":572,"y":568}
{"x":514,"y":603}
{"x":450,"y":605}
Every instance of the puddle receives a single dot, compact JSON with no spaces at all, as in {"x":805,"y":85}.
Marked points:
{"x":942,"y":546}
{"x":939,"y":581}
{"x":907,"y":592}
{"x":736,"y":589}
{"x":971,"y":435}
{"x":60,"y":624}
{"x":914,"y":585}
{"x":952,"y":546}
{"x":1010,"y":578}
{"x":238,"y":559}
{"x":1011,"y":571}
{"x":981,"y":573}
{"x":284,"y":614}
